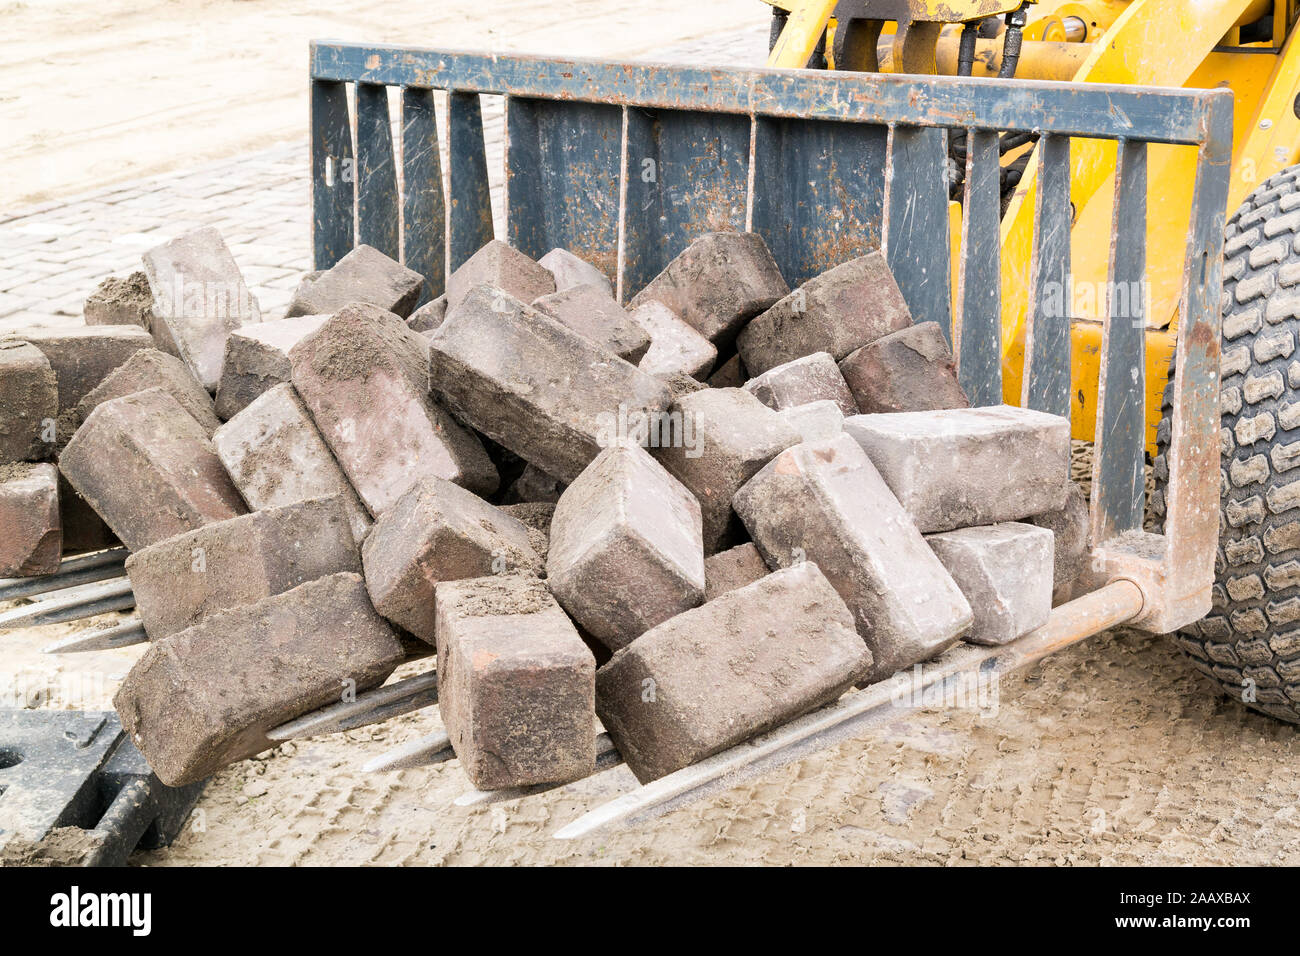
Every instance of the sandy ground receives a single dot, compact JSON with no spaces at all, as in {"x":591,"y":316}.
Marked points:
{"x":1112,"y":752}
{"x":93,"y":92}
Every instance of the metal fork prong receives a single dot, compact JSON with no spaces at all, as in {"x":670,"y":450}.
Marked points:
{"x":129,"y":632}
{"x":72,"y":604}
{"x":370,"y":707}
{"x":434,"y":748}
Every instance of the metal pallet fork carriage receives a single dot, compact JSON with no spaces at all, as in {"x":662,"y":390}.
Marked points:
{"x":624,"y":164}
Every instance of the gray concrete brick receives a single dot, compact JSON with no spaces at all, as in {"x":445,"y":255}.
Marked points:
{"x":516,"y":684}
{"x":183,"y":580}
{"x":364,"y":377}
{"x":838,"y":311}
{"x":1005,"y":572}
{"x":435,"y":532}
{"x":812,"y":378}
{"x":728,"y":435}
{"x":148,"y":469}
{"x":31,"y":533}
{"x":956,"y":468}
{"x":501,"y":266}
{"x":717,"y":675}
{"x":275,"y":456}
{"x":825,"y":502}
{"x":593,"y":314}
{"x":257,"y":358}
{"x":718,"y":282}
{"x":911,"y":370}
{"x":150,"y":368}
{"x":207,"y":696}
{"x":626,"y":547}
{"x":363,"y":275}
{"x":569,"y":270}
{"x":512,"y":373}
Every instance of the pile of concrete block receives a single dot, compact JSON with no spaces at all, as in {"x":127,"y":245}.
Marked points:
{"x":689,"y":519}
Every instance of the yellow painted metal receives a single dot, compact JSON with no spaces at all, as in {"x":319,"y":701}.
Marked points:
{"x":802,"y":32}
{"x":1134,"y":51}
{"x":1267,"y":137}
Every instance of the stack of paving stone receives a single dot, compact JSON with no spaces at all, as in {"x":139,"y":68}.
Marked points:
{"x":693,"y":517}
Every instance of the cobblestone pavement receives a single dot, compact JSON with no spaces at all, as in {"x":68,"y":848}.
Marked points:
{"x":52,"y":256}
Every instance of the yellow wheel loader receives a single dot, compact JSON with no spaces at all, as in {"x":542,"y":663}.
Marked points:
{"x":1250,"y":640}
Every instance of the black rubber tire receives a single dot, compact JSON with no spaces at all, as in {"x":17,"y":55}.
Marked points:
{"x":1249,"y":643}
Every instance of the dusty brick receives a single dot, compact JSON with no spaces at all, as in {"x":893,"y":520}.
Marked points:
{"x":732,"y":569}
{"x":911,"y":370}
{"x":717,"y":675}
{"x":148,"y":469}
{"x":516,"y":684}
{"x":728,"y":435}
{"x":438,"y":531}
{"x":83,"y":356}
{"x":812,"y":378}
{"x":118,"y":301}
{"x":151,"y":368}
{"x":1072,"y":544}
{"x":593,"y":314}
{"x":501,"y":266}
{"x":364,"y":377}
{"x":31,"y":534}
{"x":1005,"y":572}
{"x":207,"y":696}
{"x":428,"y":316}
{"x":257,"y":358}
{"x":716,"y":283}
{"x":569,"y":270}
{"x":276,"y":457}
{"x":816,"y":421}
{"x":183,"y":580}
{"x":536,"y":517}
{"x":839,"y":311}
{"x":29,"y":403}
{"x":200,"y":297}
{"x":363,"y":275}
{"x":956,"y":468}
{"x":825,"y":502}
{"x":540,"y":389}
{"x":626,"y":551}
{"x":675,"y":347}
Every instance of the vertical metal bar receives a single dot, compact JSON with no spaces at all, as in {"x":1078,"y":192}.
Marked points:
{"x":686,"y":173}
{"x":423,"y":208}
{"x":1045,"y":385}
{"x":916,"y":222}
{"x":1192,"y":495}
{"x":979,"y":286}
{"x":818,"y":192}
{"x":332,"y":176}
{"x":563,"y":162}
{"x":1119,"y":463}
{"x":469,"y":226}
{"x":378,"y":222}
